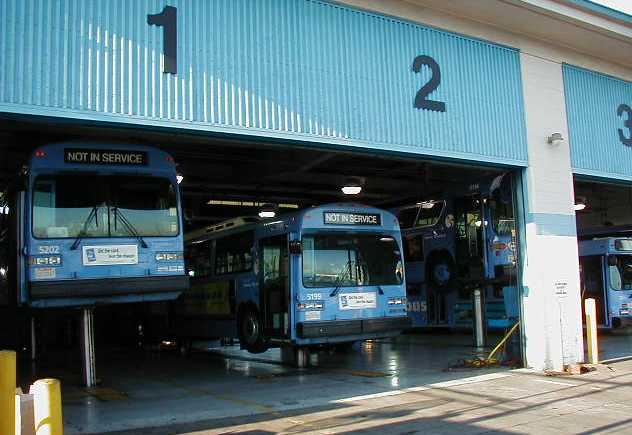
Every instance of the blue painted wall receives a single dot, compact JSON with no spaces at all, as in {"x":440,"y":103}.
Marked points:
{"x":592,"y":101}
{"x":292,"y":69}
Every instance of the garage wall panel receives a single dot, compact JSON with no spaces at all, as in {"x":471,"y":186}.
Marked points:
{"x":599,"y":110}
{"x":303,"y":69}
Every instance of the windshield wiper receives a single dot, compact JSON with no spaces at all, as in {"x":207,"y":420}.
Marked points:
{"x":128,"y":225}
{"x":338,"y":284}
{"x":84,"y":231}
{"x":341,"y":277}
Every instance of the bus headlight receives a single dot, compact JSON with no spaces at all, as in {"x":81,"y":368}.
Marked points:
{"x":45,"y":260}
{"x":310,"y":306}
{"x":397,"y":301}
{"x":169,"y":256}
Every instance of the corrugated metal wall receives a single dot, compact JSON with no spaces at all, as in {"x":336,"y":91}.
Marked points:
{"x":592,"y":101}
{"x":301,"y":69}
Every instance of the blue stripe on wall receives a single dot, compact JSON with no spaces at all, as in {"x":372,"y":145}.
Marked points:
{"x":552,"y":224}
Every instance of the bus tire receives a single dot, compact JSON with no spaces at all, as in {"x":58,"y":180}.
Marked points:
{"x":440,"y":270}
{"x":251,"y":331}
{"x":185,"y":346}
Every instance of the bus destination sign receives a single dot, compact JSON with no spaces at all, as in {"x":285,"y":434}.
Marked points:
{"x":105,"y":157}
{"x":340,"y":218}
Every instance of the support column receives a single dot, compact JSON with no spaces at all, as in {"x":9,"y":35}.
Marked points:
{"x":33,"y":338}
{"x":551,"y":298}
{"x":295,"y":356}
{"x":88,"y":360}
{"x":478,"y":314}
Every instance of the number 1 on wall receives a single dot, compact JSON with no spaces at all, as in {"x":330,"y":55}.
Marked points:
{"x":168,"y":20}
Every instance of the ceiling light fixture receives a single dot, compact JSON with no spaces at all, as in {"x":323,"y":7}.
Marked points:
{"x":352,"y":186}
{"x":267,"y":211}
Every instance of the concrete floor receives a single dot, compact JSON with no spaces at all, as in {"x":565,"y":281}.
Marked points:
{"x":150,"y":388}
{"x":614,"y":344}
{"x":226,"y":387}
{"x":510,"y":402}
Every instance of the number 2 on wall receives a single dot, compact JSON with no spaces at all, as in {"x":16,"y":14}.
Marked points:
{"x":421,"y":101}
{"x":627,"y":141}
{"x":168,"y":20}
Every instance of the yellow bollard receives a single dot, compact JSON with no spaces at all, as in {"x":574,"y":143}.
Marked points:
{"x":47,"y":407}
{"x":7,"y":392}
{"x":591,"y":331}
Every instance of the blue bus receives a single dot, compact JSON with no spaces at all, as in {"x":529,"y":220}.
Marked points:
{"x":605,"y":266}
{"x":325,"y":275}
{"x":91,"y":224}
{"x":459,"y":238}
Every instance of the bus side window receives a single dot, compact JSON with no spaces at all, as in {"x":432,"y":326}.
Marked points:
{"x":198,"y":259}
{"x":615,"y":276}
{"x":233,"y":254}
{"x":414,"y":247}
{"x":407,"y":217}
{"x":429,"y":216}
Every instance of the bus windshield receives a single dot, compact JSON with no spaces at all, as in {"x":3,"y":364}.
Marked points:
{"x":621,"y":273}
{"x":344,"y":260}
{"x":88,"y":205}
{"x":503,"y":220}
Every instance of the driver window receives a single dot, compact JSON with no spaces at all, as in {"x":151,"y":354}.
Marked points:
{"x":615,"y":277}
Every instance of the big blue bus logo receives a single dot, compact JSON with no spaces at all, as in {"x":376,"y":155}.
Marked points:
{"x":91,"y":255}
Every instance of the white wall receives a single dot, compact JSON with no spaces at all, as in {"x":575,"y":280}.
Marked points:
{"x":552,"y":322}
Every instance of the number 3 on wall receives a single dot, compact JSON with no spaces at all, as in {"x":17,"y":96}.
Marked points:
{"x":627,"y":141}
{"x":168,"y":20}
{"x":421,"y":101}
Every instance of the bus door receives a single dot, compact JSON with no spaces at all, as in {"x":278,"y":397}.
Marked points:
{"x":470,"y":238}
{"x":275,"y":286}
{"x":593,"y":285}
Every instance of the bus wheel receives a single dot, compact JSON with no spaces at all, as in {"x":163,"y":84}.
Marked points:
{"x":185,"y":347}
{"x":441,"y":270}
{"x":251,"y":332}
{"x":616,"y":323}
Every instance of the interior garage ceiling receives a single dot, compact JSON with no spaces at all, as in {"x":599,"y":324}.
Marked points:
{"x":608,"y":205}
{"x":229,"y":169}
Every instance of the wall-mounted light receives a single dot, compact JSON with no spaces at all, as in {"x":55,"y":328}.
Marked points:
{"x":179,"y":178}
{"x":580,"y":203}
{"x":352,"y":186}
{"x":267,"y":211}
{"x":555,"y":139}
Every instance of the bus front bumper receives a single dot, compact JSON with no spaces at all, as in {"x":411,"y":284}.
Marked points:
{"x":337,"y":328}
{"x":90,"y":288}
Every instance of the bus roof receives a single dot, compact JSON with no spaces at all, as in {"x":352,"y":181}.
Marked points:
{"x":327,"y":216}
{"x":116,"y":156}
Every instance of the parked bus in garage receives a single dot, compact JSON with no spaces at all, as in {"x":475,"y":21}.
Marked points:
{"x":94,"y":224}
{"x":447,"y":243}
{"x":605,"y":266}
{"x":324,"y":275}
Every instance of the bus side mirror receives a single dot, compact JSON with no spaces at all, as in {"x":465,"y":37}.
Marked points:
{"x":612,"y":260}
{"x":295,"y":247}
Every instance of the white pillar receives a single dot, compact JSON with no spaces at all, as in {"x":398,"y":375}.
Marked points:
{"x":551,"y":303}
